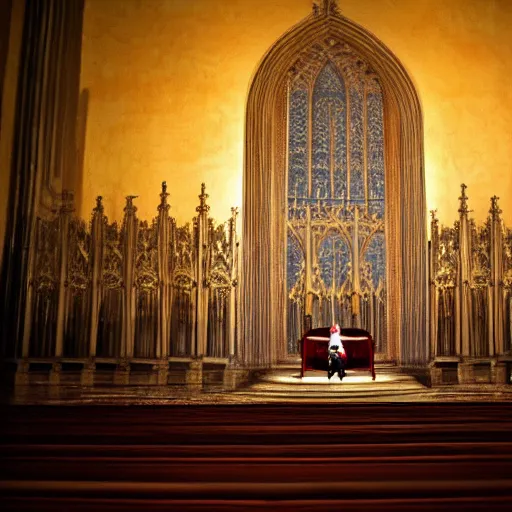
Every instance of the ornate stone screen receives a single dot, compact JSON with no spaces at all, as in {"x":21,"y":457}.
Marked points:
{"x":336,"y":247}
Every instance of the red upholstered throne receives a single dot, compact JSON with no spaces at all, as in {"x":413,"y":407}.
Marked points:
{"x":358,"y":343}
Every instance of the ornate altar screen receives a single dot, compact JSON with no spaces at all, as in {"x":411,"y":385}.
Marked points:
{"x":336,"y":247}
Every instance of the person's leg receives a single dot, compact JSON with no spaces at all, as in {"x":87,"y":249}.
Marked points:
{"x":332,"y":364}
{"x":335,"y":365}
{"x":341,"y":368}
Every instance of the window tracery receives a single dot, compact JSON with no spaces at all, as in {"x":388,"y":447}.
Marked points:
{"x":335,"y":166}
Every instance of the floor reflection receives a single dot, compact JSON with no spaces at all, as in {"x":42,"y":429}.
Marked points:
{"x":279,"y":385}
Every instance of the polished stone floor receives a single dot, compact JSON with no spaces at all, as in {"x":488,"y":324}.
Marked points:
{"x":281,"y":385}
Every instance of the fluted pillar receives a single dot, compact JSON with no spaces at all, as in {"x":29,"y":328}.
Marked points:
{"x":434,"y":299}
{"x":202,"y":274}
{"x":231,"y":319}
{"x":65,"y":213}
{"x":43,"y":152}
{"x":97,"y":239}
{"x":164,"y":312}
{"x":129,"y":247}
{"x":464,"y":274}
{"x":497,"y":320}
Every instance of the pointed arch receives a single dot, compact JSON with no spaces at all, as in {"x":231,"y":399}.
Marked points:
{"x":329,"y":93}
{"x":263,"y":336}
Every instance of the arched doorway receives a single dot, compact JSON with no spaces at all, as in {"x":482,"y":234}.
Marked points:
{"x":327,"y":40}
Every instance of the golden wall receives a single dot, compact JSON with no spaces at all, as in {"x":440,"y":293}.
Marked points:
{"x":10,"y":45}
{"x":168,"y":80}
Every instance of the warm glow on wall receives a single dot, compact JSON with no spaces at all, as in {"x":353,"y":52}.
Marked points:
{"x":168,"y":82}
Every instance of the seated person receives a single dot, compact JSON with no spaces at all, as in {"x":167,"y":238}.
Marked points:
{"x":337,"y":355}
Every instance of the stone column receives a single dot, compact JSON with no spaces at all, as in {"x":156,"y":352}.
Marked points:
{"x":436,"y":374}
{"x":202,"y":274}
{"x":499,"y":373}
{"x":129,"y":247}
{"x":55,"y":374}
{"x":160,"y":374}
{"x":434,"y":251}
{"x":465,"y":373}
{"x":234,"y":374}
{"x":122,"y":373}
{"x":65,"y":213}
{"x":194,"y":375}
{"x":164,"y":313}
{"x":97,"y":241}
{"x":497,"y":320}
{"x":43,"y":150}
{"x":231,"y":319}
{"x":87,"y":375}
{"x":464,"y":275}
{"x":22,"y":373}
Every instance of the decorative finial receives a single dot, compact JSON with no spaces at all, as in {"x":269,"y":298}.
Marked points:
{"x":495,"y":210}
{"x":463,"y":209}
{"x":163,"y":206}
{"x":203,"y":207}
{"x":232,"y":221}
{"x":99,"y":204}
{"x":325,"y":7}
{"x":434,"y":223}
{"x":130,"y":208}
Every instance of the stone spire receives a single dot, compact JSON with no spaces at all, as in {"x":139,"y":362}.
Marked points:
{"x":495,"y":210}
{"x":434,"y":220}
{"x":203,"y":207}
{"x":130,"y":208}
{"x":164,"y":206}
{"x":99,"y":205}
{"x":463,"y":208}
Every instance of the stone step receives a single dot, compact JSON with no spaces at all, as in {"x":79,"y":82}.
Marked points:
{"x":257,"y":457}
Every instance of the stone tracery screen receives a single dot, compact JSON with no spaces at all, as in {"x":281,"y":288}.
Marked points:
{"x":336,"y":248}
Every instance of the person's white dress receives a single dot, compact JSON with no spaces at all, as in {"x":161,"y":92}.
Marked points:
{"x":335,"y":340}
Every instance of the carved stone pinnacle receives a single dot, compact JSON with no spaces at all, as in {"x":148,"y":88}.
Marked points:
{"x":130,"y":208}
{"x":463,"y":209}
{"x":163,"y":198}
{"x":495,"y":210}
{"x":203,"y":207}
{"x":99,"y":204}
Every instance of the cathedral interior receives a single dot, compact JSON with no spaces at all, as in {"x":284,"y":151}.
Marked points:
{"x":346,"y":162}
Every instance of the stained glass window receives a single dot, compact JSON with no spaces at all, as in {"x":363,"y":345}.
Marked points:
{"x":329,"y":148}
{"x":335,"y":163}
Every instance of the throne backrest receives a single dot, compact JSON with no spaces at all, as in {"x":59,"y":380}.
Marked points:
{"x":358,"y":350}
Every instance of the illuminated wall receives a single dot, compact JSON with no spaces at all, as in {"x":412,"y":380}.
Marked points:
{"x":168,"y":80}
{"x":11,"y":26}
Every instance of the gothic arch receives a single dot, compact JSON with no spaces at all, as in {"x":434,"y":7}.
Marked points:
{"x":262,"y":334}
